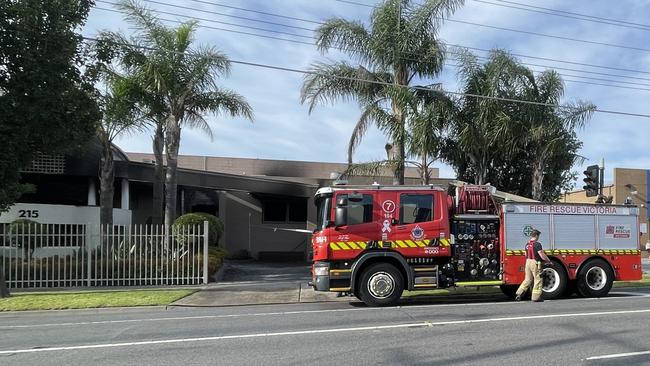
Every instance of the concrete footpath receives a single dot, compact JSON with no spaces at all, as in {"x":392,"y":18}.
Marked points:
{"x":254,"y":283}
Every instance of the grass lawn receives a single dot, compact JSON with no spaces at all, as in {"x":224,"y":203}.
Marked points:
{"x":91,"y":299}
{"x":645,"y":282}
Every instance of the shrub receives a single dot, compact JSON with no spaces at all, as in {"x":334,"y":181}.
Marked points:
{"x":215,"y":226}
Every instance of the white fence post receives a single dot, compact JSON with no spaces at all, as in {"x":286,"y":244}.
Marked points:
{"x":205,"y":252}
{"x":88,"y":254}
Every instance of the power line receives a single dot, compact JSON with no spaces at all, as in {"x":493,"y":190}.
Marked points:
{"x":342,"y":49}
{"x":577,"y":14}
{"x":556,"y":60}
{"x":559,"y":13}
{"x":224,"y":15}
{"x":220,"y":29}
{"x":448,"y":44}
{"x":210,"y":20}
{"x":565,"y":76}
{"x":257,"y":12}
{"x":308,"y":72}
{"x":412,"y":59}
{"x":520,"y":31}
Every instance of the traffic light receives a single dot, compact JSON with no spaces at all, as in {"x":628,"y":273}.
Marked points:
{"x":591,"y":180}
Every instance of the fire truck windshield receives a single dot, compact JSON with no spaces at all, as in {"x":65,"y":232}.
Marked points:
{"x":323,"y":210}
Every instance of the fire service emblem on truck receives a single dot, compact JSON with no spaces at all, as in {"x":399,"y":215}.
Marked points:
{"x":417,"y":233}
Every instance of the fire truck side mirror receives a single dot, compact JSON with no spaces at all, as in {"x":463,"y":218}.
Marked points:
{"x":341,"y":212}
{"x":341,"y":218}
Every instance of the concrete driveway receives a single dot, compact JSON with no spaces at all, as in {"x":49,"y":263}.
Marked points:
{"x":251,"y":282}
{"x":245,"y":272}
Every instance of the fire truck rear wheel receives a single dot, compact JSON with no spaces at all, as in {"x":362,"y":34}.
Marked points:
{"x":595,"y":278}
{"x":554,"y":281}
{"x":380,"y":284}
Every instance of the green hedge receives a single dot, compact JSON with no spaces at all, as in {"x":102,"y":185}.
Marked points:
{"x":215,"y":226}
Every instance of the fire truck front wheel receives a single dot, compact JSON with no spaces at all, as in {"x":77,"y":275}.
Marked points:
{"x":595,"y":278}
{"x":380,"y":284}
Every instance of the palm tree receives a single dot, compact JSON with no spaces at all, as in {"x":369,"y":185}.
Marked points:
{"x":183,"y":79}
{"x":484,"y":128}
{"x":550,"y":128}
{"x":399,"y":45}
{"x":136,"y":60}
{"x":118,"y":117}
{"x":431,"y":116}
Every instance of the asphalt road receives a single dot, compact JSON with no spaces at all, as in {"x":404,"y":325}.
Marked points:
{"x":461,"y":331}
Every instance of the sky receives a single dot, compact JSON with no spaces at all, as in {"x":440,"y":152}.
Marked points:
{"x":284,"y":129}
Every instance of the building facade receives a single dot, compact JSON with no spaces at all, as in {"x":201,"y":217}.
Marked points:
{"x":266,"y":205}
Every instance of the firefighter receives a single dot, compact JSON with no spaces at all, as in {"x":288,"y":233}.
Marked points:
{"x":534,"y":257}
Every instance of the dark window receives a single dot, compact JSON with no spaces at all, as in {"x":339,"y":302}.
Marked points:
{"x":415,"y":208}
{"x":279,"y":209}
{"x":359,"y":212}
{"x":274,"y":210}
{"x":58,"y":190}
{"x":298,"y":210}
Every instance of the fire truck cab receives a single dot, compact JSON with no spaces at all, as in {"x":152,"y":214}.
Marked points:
{"x":377,"y":241}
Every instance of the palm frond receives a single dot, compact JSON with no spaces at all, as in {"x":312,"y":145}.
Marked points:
{"x":370,"y":169}
{"x":372,"y":114}
{"x":350,"y":36}
{"x":327,"y":83}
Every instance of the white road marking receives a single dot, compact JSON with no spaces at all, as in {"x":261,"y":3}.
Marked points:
{"x":321,"y":331}
{"x":618,"y":355}
{"x":278,"y":313}
{"x":632,"y":295}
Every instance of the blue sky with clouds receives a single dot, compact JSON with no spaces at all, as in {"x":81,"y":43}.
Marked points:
{"x":283,"y":128}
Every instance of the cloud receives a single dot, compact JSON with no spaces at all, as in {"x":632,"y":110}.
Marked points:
{"x":283,"y":128}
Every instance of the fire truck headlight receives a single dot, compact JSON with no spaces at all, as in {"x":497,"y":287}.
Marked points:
{"x":321,"y":269}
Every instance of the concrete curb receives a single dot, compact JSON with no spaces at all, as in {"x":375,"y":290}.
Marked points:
{"x":103,"y":289}
{"x":261,"y":304}
{"x":86,"y":310}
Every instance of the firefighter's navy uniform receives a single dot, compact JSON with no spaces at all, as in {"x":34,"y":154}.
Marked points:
{"x":533,"y":271}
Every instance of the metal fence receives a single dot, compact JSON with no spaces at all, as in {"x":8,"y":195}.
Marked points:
{"x":74,"y":255}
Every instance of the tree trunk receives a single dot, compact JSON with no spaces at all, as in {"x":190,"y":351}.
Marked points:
{"x":479,"y":171}
{"x":401,"y":78}
{"x":106,"y":179}
{"x":398,"y":171}
{"x":172,"y":143}
{"x":426,"y":176}
{"x":538,"y":178}
{"x":4,"y":290}
{"x":159,"y":175}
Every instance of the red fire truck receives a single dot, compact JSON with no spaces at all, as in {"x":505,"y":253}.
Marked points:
{"x":377,"y":241}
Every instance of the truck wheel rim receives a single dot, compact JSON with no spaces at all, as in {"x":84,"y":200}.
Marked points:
{"x":596,"y":278}
{"x":381,"y":285}
{"x":550,"y":280}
